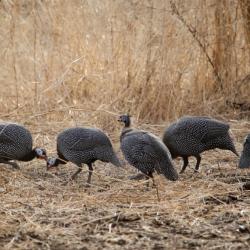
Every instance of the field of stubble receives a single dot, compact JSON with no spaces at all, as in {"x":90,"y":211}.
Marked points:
{"x":209,"y":210}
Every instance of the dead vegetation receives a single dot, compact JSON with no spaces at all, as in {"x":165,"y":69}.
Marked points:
{"x":80,"y":62}
{"x":155,"y":59}
{"x":206,"y":210}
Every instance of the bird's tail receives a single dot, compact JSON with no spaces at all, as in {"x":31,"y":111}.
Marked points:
{"x":115,"y":161}
{"x":231,"y":144}
{"x":244,"y":161}
{"x":234,"y":151}
{"x":167,"y":169}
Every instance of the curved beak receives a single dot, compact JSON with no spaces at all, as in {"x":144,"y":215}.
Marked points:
{"x":43,"y":157}
{"x":49,"y":167}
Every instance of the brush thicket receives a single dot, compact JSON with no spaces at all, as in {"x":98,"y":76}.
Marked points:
{"x":156,"y":59}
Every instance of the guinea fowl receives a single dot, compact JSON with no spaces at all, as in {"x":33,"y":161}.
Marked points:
{"x":192,"y":135}
{"x":145,"y":151}
{"x":83,"y":145}
{"x":16,"y":144}
{"x":245,"y":155}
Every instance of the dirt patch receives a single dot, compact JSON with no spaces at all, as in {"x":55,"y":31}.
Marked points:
{"x":209,"y":209}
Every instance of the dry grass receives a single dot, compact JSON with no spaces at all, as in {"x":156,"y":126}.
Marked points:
{"x":80,"y":62}
{"x":155,"y":59}
{"x":206,"y":210}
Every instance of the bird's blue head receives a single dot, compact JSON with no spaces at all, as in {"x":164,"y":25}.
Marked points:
{"x":40,"y":153}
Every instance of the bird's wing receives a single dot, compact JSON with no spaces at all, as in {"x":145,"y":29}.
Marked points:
{"x":142,"y":147}
{"x":8,"y":155}
{"x":88,"y":141}
{"x":201,"y":128}
{"x":14,"y":140}
{"x":4,"y":137}
{"x":214,"y":129}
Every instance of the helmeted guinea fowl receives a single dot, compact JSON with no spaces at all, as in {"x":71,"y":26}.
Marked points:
{"x":245,"y":155}
{"x":192,"y":135}
{"x":145,"y":151}
{"x":83,"y":145}
{"x":16,"y":144}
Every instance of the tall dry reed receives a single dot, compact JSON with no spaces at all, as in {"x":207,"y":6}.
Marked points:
{"x":154,"y":59}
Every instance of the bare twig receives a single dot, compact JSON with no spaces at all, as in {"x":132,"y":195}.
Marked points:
{"x":195,"y":35}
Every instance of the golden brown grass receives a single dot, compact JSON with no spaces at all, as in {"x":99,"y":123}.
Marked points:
{"x":67,"y":63}
{"x":155,"y":59}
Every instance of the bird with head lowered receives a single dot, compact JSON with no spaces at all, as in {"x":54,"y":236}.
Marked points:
{"x":145,"y":151}
{"x":83,"y":146}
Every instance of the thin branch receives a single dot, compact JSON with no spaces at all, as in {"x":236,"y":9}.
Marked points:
{"x":195,"y":35}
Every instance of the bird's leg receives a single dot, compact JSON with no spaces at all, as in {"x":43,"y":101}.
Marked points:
{"x":156,"y":187}
{"x":138,"y":176}
{"x":198,"y":158}
{"x":147,"y":184}
{"x":148,"y":176}
{"x":185,"y":163}
{"x":13,"y":164}
{"x":77,"y":172}
{"x":90,"y":173}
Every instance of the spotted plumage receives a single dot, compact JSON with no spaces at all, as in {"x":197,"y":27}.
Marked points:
{"x":83,"y":146}
{"x":16,"y":144}
{"x":145,"y":151}
{"x":245,"y":155}
{"x":190,"y":136}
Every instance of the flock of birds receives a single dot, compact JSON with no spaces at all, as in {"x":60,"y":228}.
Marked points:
{"x":189,"y":136}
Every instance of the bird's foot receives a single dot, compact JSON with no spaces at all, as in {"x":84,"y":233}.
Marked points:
{"x":246,"y":185}
{"x":70,"y":180}
{"x":11,"y":163}
{"x":14,"y":165}
{"x":87,"y":185}
{"x":138,"y":177}
{"x":65,"y":183}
